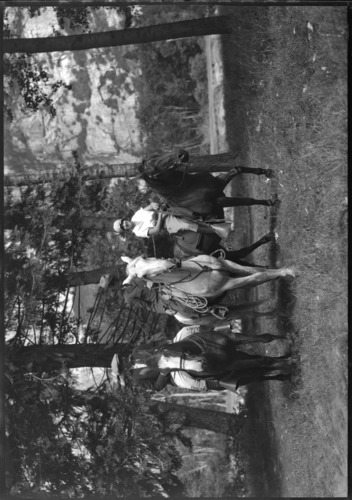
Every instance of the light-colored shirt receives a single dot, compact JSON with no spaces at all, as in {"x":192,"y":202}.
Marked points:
{"x":145,"y":220}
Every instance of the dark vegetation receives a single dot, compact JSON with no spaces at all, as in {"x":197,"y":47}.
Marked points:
{"x":172,"y":102}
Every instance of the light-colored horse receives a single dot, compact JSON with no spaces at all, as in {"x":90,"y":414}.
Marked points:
{"x":202,"y":276}
{"x":224,"y":313}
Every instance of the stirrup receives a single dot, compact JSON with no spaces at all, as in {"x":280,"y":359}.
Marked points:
{"x":222,"y":313}
{"x":221,"y":252}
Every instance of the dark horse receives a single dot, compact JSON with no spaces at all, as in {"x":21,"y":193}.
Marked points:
{"x":202,"y":193}
{"x":212,"y":355}
{"x":189,"y":243}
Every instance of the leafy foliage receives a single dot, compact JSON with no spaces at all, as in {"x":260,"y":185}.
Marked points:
{"x":26,"y":80}
{"x":102,"y":442}
{"x":31,"y":82}
{"x":83,"y":439}
{"x":46,"y":242}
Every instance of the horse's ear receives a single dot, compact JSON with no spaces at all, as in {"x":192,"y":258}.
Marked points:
{"x":126,"y":259}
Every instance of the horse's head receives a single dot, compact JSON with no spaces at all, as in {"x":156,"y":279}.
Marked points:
{"x":145,"y":358}
{"x":130,"y":268}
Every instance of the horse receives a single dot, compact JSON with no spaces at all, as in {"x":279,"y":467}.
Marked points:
{"x":202,"y":193}
{"x":188,"y":244}
{"x":213,"y":355}
{"x":185,"y":310}
{"x":202,"y":276}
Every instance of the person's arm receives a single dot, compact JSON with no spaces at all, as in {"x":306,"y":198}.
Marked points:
{"x":152,"y":206}
{"x":157,"y":227}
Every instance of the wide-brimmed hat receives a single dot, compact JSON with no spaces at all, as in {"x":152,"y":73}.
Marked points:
{"x":117,"y":226}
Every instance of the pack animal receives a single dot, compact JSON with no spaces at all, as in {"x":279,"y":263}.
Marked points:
{"x":202,"y":275}
{"x":212,"y":355}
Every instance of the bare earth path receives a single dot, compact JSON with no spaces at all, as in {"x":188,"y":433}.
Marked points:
{"x":285,"y":98}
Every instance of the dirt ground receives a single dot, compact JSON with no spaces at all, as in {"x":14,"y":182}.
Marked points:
{"x":297,"y":431}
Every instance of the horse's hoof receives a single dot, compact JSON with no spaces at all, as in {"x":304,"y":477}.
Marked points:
{"x":183,"y":156}
{"x":290,"y":272}
{"x":220,"y":312}
{"x":269,"y":173}
{"x":272,"y":236}
{"x":275,"y":202}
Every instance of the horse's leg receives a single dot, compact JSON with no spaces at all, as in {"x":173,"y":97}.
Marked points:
{"x":265,"y":338}
{"x":224,"y":328}
{"x":228,"y":201}
{"x":242,"y":361}
{"x":226,"y":177}
{"x":256,"y":171}
{"x":256,"y":279}
{"x":243,"y":252}
{"x":238,"y":269}
{"x":259,"y":376}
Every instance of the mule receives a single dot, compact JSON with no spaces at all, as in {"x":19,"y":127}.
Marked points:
{"x":187,"y":310}
{"x":189,"y":244}
{"x":212,"y":355}
{"x":201,"y":276}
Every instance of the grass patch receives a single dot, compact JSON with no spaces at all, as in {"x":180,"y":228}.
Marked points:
{"x":294,"y":108}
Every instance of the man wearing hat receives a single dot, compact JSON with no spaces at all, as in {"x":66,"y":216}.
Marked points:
{"x":151,"y":220}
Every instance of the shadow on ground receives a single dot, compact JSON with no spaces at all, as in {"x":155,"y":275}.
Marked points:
{"x":264,"y":469}
{"x":285,"y":307}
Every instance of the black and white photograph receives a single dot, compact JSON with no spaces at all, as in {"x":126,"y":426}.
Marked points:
{"x":175,"y":250}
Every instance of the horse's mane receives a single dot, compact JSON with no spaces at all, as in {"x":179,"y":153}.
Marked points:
{"x":166,"y":183}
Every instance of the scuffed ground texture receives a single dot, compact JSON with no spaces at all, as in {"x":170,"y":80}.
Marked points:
{"x":285,"y":91}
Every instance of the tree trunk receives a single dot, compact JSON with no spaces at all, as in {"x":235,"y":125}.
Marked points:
{"x":44,"y":358}
{"x":92,"y":277}
{"x":180,"y":29}
{"x":212,"y":420}
{"x":207,"y":163}
{"x":124,"y":170}
{"x":93,"y":223}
